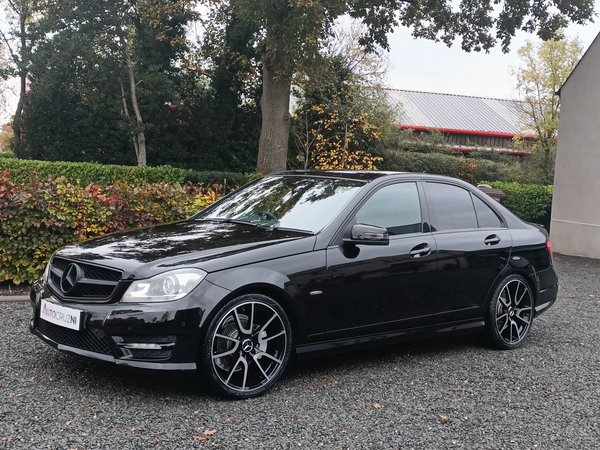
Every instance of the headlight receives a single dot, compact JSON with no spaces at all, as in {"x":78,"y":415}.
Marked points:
{"x":165,"y":287}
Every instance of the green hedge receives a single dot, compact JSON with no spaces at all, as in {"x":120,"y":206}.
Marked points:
{"x":229,"y":180}
{"x":6,"y":155}
{"x":531,"y":202}
{"x":22,"y":170}
{"x":467,"y":169}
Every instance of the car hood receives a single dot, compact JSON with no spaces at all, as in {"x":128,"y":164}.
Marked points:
{"x":210,"y":246}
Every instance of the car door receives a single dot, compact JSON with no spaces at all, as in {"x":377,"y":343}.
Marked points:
{"x":473,"y":248}
{"x":380,"y":288}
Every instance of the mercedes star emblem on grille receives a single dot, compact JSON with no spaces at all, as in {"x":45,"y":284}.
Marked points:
{"x":72,"y":274}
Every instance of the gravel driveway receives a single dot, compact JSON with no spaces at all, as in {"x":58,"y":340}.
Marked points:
{"x":438,"y":394}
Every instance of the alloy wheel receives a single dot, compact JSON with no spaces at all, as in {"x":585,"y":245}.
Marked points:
{"x":249,"y":347}
{"x":514,"y":311}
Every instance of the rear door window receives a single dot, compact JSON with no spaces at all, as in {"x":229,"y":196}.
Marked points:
{"x":453,"y":207}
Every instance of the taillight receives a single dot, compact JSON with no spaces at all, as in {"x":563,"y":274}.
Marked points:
{"x":549,"y":247}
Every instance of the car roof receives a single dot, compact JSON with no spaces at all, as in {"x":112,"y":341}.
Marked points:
{"x":363,"y":175}
{"x":368,"y":176}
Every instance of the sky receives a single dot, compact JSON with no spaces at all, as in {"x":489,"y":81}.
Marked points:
{"x":422,"y":65}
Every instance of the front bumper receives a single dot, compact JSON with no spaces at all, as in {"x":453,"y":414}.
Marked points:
{"x":157,"y":336}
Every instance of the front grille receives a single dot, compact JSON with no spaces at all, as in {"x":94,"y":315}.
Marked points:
{"x":94,"y":284}
{"x":89,"y":339}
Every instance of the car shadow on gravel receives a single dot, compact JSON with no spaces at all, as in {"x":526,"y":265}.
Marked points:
{"x":95,"y":376}
{"x":389,"y":353}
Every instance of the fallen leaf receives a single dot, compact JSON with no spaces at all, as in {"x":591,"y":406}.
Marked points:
{"x":453,"y":390}
{"x":136,"y":432}
{"x":209,"y":432}
{"x":330,"y":383}
{"x":69,"y":422}
{"x":377,"y":406}
{"x":200,"y":438}
{"x":311,"y":388}
{"x":252,"y":420}
{"x":296,"y":417}
{"x":288,"y":389}
{"x":325,"y":377}
{"x":443,"y":417}
{"x":357,"y":408}
{"x":91,"y":404}
{"x":189,"y":417}
{"x":228,"y":420}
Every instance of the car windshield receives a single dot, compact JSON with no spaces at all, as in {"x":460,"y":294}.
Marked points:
{"x":291,"y":202}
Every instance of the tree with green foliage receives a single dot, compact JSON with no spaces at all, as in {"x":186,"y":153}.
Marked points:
{"x":341,"y":109}
{"x":291,"y":32}
{"x":19,"y":42}
{"x":225,"y":115}
{"x":543,"y":70}
{"x":102,"y":69}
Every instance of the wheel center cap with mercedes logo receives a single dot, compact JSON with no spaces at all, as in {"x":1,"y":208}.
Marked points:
{"x":72,"y":274}
{"x":247,"y":345}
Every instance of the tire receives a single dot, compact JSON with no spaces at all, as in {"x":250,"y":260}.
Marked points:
{"x":510,"y":314}
{"x":247,"y":346}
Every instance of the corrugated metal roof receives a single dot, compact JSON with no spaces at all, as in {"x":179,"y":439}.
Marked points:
{"x":456,"y":112}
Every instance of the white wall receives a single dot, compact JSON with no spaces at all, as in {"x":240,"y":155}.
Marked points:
{"x":575,"y":226}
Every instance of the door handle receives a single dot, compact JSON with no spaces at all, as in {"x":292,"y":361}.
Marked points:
{"x":420,"y":250}
{"x":492,"y":240}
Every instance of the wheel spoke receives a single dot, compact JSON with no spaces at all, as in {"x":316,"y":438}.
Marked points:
{"x":227,"y":353}
{"x":239,"y":322}
{"x":251,"y":326}
{"x":505,"y":324}
{"x":521,"y":297}
{"x":229,"y":338}
{"x":264,"y":327}
{"x":267,"y":355}
{"x":245,"y":364}
{"x":518,"y":330}
{"x":503,"y":299}
{"x":260,"y":340}
{"x":257,"y":362}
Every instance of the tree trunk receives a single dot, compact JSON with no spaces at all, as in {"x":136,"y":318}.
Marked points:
{"x":140,"y":148}
{"x":275,"y":107}
{"x":17,"y":120}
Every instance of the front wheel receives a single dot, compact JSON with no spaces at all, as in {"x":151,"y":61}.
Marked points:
{"x":510,"y":314}
{"x":247,"y":347}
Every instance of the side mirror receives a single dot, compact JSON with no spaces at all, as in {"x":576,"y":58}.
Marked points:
{"x":368,"y":235}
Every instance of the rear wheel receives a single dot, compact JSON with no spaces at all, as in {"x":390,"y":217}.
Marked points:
{"x":510,"y":314}
{"x":247,"y":346}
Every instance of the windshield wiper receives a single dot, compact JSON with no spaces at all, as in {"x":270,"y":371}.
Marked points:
{"x":298,"y":230}
{"x":236,"y":221}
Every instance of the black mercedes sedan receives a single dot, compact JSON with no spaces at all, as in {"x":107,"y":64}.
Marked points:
{"x":298,"y":263}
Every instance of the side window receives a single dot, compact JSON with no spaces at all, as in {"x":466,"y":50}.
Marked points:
{"x":486,"y":217}
{"x":396,"y":208}
{"x":453,"y":207}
